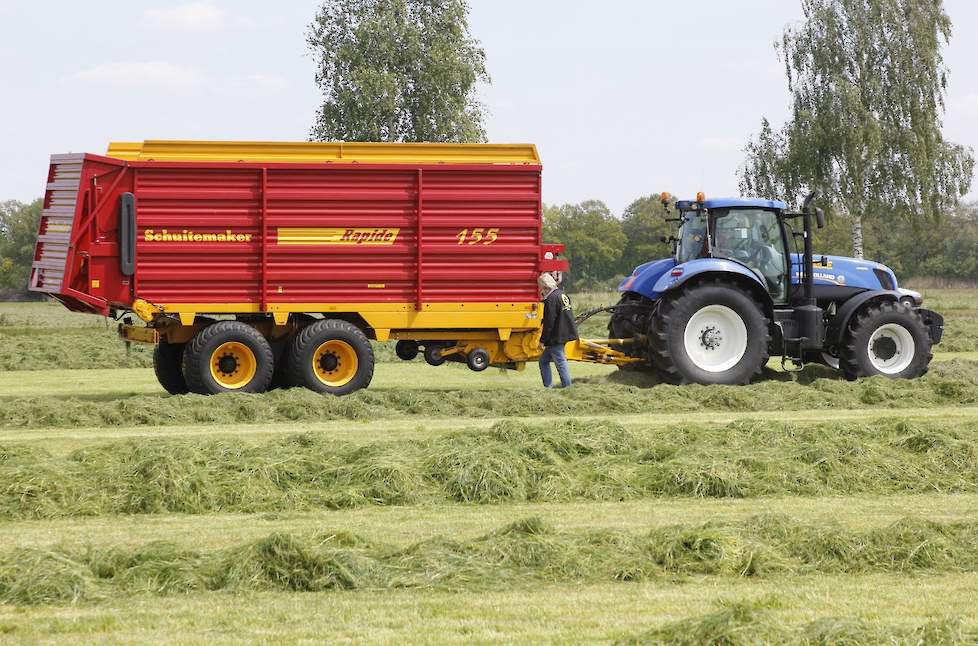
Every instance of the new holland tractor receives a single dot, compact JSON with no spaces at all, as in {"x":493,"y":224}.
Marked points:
{"x":737,"y":291}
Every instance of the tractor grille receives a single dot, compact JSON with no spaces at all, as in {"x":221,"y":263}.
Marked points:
{"x":57,"y":219}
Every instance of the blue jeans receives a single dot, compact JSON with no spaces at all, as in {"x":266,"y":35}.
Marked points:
{"x":556,"y":354}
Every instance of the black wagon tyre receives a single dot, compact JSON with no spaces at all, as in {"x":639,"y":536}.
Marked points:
{"x":710,"y":333}
{"x":406,"y":350}
{"x":433,"y":356}
{"x":228,"y":356}
{"x":167,"y":364}
{"x":478,"y":360}
{"x":330,"y":356}
{"x":888,"y":339}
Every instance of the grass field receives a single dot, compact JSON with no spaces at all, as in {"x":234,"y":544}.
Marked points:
{"x":442,"y":506}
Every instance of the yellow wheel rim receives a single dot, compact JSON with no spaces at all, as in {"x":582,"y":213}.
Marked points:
{"x":335,"y":363}
{"x":233,"y":365}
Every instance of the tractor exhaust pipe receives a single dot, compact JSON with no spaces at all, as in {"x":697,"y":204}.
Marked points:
{"x":809,"y":315}
{"x":809,"y":260}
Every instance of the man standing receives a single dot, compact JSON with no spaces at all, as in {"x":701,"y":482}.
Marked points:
{"x":558,"y":329}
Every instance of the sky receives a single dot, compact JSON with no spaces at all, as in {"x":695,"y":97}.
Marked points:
{"x":623,"y":98}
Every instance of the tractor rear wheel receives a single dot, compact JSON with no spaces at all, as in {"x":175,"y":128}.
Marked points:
{"x":888,"y":339}
{"x":228,"y":356}
{"x":167,"y":360}
{"x":711,"y":333}
{"x":330,"y":356}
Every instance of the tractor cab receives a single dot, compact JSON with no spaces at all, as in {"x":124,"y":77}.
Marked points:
{"x":748,"y":232}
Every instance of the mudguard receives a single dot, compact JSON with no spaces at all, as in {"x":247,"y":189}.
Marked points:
{"x":840,"y":321}
{"x":643,"y":279}
{"x":700,"y":266}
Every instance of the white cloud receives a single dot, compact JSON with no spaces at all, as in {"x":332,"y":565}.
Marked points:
{"x":190,"y":15}
{"x":140,"y":75}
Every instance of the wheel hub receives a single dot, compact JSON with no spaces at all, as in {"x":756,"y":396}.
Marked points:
{"x":885,"y":348}
{"x":227,"y":364}
{"x":711,"y":337}
{"x":329,"y":362}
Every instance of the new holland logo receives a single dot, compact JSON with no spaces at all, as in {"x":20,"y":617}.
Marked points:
{"x":338,"y":236}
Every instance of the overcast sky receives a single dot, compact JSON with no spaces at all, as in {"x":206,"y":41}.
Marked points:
{"x":623,"y":98}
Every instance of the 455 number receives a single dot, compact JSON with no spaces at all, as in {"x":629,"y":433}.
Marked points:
{"x":476,"y":236}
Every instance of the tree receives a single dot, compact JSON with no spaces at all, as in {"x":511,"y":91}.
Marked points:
{"x":18,"y":233}
{"x":592,"y":237}
{"x":397,"y":70}
{"x":868,"y":82}
{"x":643,"y":224}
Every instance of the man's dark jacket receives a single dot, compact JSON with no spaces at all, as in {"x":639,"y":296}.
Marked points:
{"x":558,"y":320}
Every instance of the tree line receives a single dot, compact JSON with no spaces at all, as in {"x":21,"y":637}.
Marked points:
{"x":603,"y":248}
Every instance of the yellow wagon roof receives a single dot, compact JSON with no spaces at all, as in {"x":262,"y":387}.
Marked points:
{"x":311,"y":152}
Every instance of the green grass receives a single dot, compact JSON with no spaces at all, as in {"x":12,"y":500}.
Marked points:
{"x":403,"y":525}
{"x":550,"y":613}
{"x":446,"y":506}
{"x":953,"y":383}
{"x":525,"y":552}
{"x":511,"y":462}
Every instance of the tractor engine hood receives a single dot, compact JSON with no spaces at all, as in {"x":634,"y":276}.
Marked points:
{"x":847,"y":272}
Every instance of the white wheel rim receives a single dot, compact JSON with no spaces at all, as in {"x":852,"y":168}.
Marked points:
{"x":715,"y":338}
{"x":830,"y":361}
{"x":891,"y":349}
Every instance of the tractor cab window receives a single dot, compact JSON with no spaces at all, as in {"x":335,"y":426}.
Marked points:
{"x":753,"y":238}
{"x":693,"y":242}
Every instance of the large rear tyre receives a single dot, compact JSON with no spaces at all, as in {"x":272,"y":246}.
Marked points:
{"x":332,"y":357}
{"x":888,"y":339}
{"x":167,"y":360}
{"x":228,"y":356}
{"x":711,"y":333}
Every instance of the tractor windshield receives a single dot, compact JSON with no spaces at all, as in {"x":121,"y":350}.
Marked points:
{"x":693,"y":241}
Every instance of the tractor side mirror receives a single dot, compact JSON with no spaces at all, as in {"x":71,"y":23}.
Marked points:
{"x":820,"y":218}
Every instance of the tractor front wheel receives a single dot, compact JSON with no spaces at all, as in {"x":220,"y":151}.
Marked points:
{"x":888,"y":339}
{"x":711,"y":333}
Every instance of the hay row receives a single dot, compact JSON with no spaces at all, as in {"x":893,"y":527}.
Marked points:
{"x":526,"y":552}
{"x":755,"y":623}
{"x":510,"y":462}
{"x":952,"y":383}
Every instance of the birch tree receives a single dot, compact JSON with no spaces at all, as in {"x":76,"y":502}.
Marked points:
{"x":867,"y":81}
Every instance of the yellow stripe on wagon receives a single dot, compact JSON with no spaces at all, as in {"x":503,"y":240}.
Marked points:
{"x":338,"y":236}
{"x":323,"y":152}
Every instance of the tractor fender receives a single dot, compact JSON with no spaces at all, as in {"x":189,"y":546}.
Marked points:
{"x":847,"y":310}
{"x":706,"y":268}
{"x":643,"y":279}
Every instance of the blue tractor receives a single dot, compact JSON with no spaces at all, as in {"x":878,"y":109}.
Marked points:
{"x":737,"y":291}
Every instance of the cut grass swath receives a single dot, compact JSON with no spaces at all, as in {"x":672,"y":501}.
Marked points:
{"x":510,"y":462}
{"x":528,"y":551}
